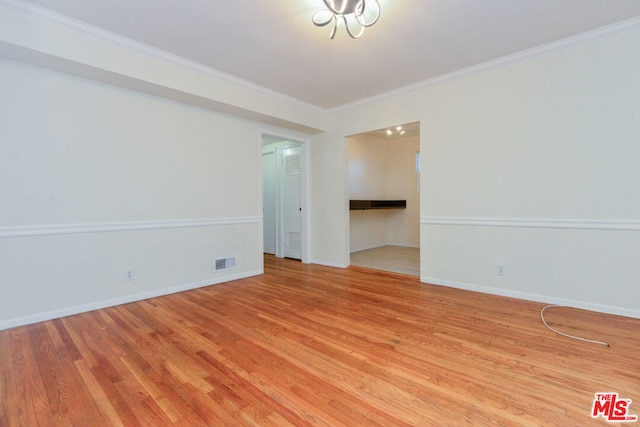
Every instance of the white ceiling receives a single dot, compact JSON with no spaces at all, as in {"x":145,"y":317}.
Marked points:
{"x":275,"y":45}
{"x":396,"y":132}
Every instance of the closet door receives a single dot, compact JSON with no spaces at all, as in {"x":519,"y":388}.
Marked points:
{"x":291,"y":202}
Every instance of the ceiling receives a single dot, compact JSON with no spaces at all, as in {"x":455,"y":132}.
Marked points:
{"x":274,"y":44}
{"x":396,"y":132}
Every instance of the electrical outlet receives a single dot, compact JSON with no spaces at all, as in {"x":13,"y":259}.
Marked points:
{"x":500,"y":270}
{"x":129,"y":275}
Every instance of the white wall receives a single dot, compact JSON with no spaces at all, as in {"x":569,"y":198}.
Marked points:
{"x":381,"y":169}
{"x":403,"y":227}
{"x":531,"y":164}
{"x":96,"y":180}
{"x":368,"y":171}
{"x":548,"y":143}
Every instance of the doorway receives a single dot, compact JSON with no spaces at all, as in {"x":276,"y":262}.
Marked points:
{"x":384,"y":166}
{"x":284,"y":197}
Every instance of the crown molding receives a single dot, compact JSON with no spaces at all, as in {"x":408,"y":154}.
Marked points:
{"x":524,"y":55}
{"x":81,"y":28}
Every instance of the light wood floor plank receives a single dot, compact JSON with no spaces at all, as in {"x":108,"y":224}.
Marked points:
{"x":398,"y":259}
{"x":307,"y":345}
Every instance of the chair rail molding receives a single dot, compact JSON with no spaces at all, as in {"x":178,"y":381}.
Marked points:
{"x":109,"y":227}
{"x":556,"y":223}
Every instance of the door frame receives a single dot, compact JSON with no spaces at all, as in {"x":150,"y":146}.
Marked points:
{"x":272,"y":153}
{"x":305,"y":186}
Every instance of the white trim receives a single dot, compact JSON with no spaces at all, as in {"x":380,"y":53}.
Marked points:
{"x":376,"y":246}
{"x":285,"y":135}
{"x":67,"y":23}
{"x":110,"y":227}
{"x":619,"y":311}
{"x":69,"y":311}
{"x":524,"y":55}
{"x":570,"y":224}
{"x":367,"y":247}
{"x":329,"y":263}
{"x":402,"y":245}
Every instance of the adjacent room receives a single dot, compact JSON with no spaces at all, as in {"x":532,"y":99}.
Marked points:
{"x":186,"y":188}
{"x":384,"y":199}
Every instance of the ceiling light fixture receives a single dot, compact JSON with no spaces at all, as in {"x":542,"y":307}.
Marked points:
{"x":398,"y":131}
{"x":351,"y":12}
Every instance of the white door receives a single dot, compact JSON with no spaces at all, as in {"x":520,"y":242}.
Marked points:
{"x":269,"y":179}
{"x":291,"y":202}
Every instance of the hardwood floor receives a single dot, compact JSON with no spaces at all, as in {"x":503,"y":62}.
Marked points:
{"x":312,"y":345}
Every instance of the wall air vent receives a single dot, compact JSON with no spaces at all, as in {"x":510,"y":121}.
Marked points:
{"x":293,"y":241}
{"x":225,"y":263}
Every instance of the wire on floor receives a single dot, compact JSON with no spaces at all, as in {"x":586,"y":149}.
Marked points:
{"x":567,"y":335}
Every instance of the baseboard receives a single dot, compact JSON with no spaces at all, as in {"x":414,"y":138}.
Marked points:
{"x":401,"y":245}
{"x":366,"y":248}
{"x":328,"y":263}
{"x":600,"y":308}
{"x":69,"y":311}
